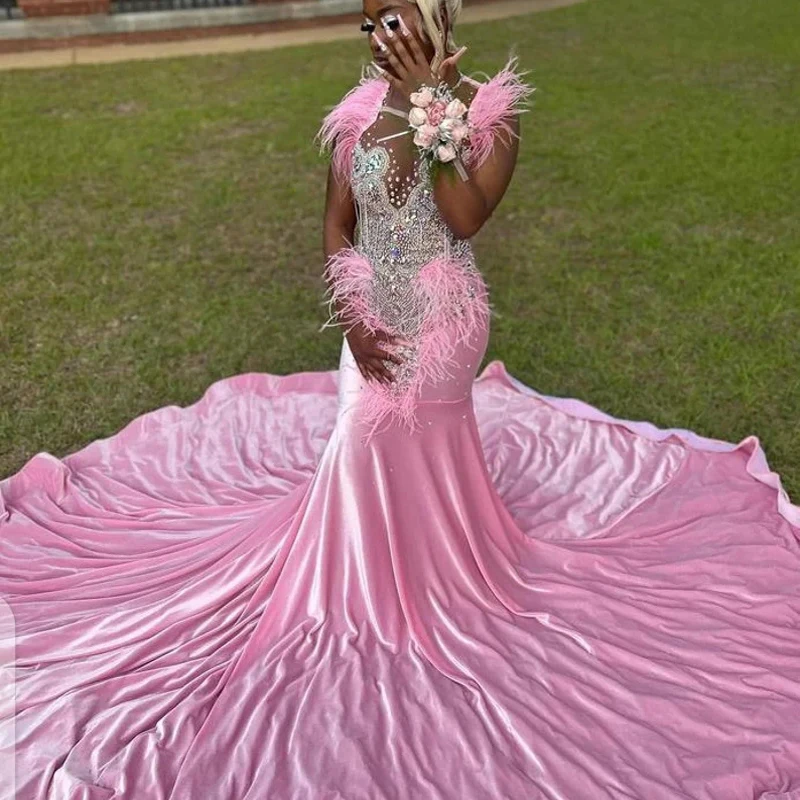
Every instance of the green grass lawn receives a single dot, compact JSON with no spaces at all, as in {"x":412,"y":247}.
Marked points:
{"x":160,"y":224}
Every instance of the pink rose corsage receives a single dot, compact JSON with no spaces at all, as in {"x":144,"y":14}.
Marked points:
{"x":440,"y":125}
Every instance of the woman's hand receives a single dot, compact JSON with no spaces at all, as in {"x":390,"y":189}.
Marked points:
{"x":370,"y":355}
{"x":404,"y":53}
{"x":448,"y":71}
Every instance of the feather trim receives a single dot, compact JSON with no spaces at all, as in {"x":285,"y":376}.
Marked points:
{"x":348,"y":275}
{"x":456,"y":303}
{"x":491,"y":110}
{"x":343,"y":125}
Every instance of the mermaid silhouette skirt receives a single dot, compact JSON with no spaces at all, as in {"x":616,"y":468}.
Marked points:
{"x":526,"y":598}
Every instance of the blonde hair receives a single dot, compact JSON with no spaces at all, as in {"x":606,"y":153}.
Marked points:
{"x":433,"y":25}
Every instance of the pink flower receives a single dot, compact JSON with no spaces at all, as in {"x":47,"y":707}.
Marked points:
{"x":459,"y":131}
{"x":425,"y":136}
{"x":455,"y":109}
{"x":455,"y":130}
{"x":417,"y":117}
{"x":445,"y":152}
{"x":422,"y":99}
{"x":436,"y":112}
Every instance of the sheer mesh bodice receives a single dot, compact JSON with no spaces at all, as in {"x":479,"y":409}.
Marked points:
{"x":405,"y":169}
{"x":406,"y":272}
{"x":400,"y":228}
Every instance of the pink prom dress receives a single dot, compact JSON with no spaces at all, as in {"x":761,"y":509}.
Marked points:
{"x":319,"y":587}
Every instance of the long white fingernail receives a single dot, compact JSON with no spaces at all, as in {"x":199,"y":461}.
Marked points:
{"x":406,"y":31}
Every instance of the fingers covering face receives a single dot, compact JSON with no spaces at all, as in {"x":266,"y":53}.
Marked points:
{"x":404,"y":53}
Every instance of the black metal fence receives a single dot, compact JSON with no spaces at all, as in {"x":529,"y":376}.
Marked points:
{"x":123,"y":6}
{"x":9,"y":10}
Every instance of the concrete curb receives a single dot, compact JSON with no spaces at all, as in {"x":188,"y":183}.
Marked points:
{"x":130,"y":22}
{"x":236,"y":42}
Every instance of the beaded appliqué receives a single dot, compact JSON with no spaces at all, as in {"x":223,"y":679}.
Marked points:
{"x":398,"y":241}
{"x":407,"y":273}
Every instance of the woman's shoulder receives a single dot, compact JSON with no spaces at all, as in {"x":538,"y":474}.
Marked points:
{"x":367,"y":89}
{"x":503,"y":93}
{"x":343,"y":124}
{"x":495,"y":102}
{"x":354,"y":106}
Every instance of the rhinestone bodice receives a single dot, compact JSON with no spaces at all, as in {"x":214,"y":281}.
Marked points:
{"x":406,"y":272}
{"x":400,"y":228}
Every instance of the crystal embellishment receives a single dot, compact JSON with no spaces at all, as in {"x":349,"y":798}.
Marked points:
{"x":399,"y":241}
{"x":407,"y":271}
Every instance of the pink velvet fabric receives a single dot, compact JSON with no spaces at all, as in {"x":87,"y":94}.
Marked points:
{"x":526,"y":599}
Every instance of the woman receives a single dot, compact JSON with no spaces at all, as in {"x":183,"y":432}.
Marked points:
{"x":394,"y":580}
{"x":412,"y":274}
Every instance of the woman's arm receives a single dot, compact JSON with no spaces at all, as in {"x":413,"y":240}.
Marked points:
{"x":368,"y":346}
{"x":339,"y":223}
{"x":466,"y":205}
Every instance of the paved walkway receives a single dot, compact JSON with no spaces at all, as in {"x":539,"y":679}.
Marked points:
{"x":326,"y":32}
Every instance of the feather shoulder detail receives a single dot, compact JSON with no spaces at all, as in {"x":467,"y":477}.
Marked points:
{"x":350,"y":117}
{"x":492,"y":108}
